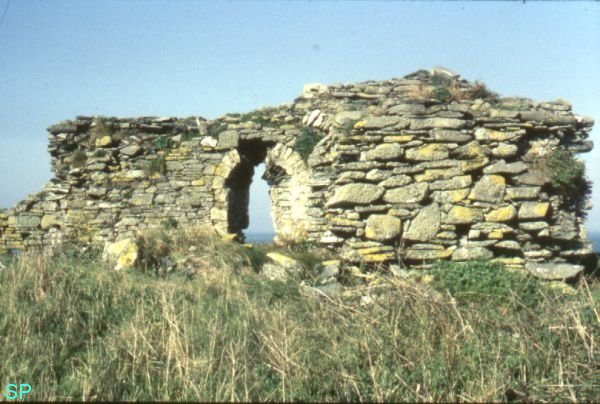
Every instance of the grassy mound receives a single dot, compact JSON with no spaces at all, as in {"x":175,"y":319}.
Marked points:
{"x":74,"y":330}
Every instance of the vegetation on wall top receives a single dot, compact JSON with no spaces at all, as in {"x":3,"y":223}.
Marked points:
{"x":306,"y":141}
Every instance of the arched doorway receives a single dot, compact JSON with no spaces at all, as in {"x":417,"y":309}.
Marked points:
{"x":287,"y":176}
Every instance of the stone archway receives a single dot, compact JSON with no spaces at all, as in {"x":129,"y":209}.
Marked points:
{"x":287,"y":176}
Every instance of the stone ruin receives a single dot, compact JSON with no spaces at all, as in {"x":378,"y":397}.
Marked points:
{"x":411,"y":170}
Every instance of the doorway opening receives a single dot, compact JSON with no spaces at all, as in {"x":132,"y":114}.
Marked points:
{"x":260,"y":228}
{"x":286,"y":198}
{"x":245,"y":199}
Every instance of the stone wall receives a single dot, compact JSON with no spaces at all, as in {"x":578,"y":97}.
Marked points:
{"x":425,"y":167}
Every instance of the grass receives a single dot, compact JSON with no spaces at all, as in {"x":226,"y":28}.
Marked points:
{"x":306,"y":142}
{"x":162,"y":143}
{"x":77,"y":331}
{"x":566,"y":174}
{"x":446,"y":89}
{"x":156,"y":166}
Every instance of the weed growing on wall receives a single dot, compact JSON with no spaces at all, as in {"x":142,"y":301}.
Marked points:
{"x":568,"y":173}
{"x":306,"y":141}
{"x":565,"y":173}
{"x":480,"y":90}
{"x":162,"y":143}
{"x":156,"y":166}
{"x":447,"y":89}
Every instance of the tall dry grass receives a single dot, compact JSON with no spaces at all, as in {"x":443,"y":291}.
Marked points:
{"x":75,"y":330}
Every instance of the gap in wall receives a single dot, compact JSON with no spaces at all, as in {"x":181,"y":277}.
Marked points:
{"x":260,"y":229}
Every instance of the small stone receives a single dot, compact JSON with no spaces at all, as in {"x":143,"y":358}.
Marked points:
{"x":123,"y":254}
{"x":505,"y":150}
{"x":396,"y":181}
{"x":490,"y":188}
{"x":355,"y":194}
{"x":377,"y":175}
{"x":532,"y":178}
{"x":533,"y":226}
{"x":209,"y":141}
{"x":433,"y":151}
{"x":451,"y":196}
{"x":135,"y":174}
{"x":382,"y":227}
{"x":554,"y":271}
{"x":459,"y":182}
{"x":508,"y":245}
{"x":425,"y":225}
{"x":104,"y":141}
{"x":228,"y":139}
{"x":384,"y":152}
{"x":131,"y":150}
{"x":541,"y":254}
{"x":503,"y":214}
{"x":380,"y":122}
{"x":417,"y":254}
{"x":472,"y":150}
{"x":533,"y":210}
{"x":485,"y":134}
{"x":519,"y":193}
{"x":471,"y":253}
{"x":413,"y":193}
{"x":463,"y":215}
{"x":501,"y":167}
{"x":442,"y":123}
{"x":450,"y":136}
{"x":473,"y":164}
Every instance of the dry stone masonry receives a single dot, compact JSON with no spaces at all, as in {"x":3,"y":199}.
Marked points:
{"x":409,"y":170}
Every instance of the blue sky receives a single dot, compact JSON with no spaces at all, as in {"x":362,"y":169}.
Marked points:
{"x":59,"y":59}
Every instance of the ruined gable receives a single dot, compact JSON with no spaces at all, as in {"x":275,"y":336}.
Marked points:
{"x":425,"y":167}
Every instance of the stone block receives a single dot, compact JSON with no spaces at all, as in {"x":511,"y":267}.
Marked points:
{"x":433,"y":151}
{"x":533,"y":210}
{"x":502,"y":214}
{"x":425,"y":225}
{"x":122,"y":254}
{"x":412,"y":193}
{"x":385,"y":151}
{"x":382,"y":227}
{"x":463,"y":215}
{"x":355,"y":194}
{"x":471,"y":253}
{"x":490,"y":188}
{"x":554,"y":271}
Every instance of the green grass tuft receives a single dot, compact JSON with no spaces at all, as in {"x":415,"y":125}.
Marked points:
{"x":306,"y":142}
